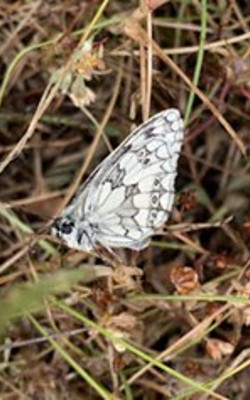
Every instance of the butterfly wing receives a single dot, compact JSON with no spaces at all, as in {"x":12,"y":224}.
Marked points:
{"x":131,"y":192}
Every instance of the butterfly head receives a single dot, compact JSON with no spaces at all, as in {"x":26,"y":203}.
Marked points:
{"x":64,"y":228}
{"x":75,"y":236}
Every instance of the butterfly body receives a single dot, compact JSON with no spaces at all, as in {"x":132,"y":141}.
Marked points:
{"x":131,"y":193}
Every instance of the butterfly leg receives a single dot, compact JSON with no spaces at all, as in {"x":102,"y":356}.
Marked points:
{"x":108,"y":256}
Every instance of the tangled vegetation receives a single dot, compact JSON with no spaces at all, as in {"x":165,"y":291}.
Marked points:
{"x":172,"y":321}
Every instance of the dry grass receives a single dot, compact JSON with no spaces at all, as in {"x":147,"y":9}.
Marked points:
{"x":175,"y":322}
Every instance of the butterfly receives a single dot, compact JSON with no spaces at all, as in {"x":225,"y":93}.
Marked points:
{"x":131,"y":192}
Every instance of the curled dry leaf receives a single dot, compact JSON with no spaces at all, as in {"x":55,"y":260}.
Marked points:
{"x":80,"y":94}
{"x":125,"y":277}
{"x":124,"y":326}
{"x":185,"y":279}
{"x":123,"y":321}
{"x":243,"y":308}
{"x":241,"y":291}
{"x":238,"y":71}
{"x":217,"y":348}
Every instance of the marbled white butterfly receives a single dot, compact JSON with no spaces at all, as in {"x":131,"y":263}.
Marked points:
{"x":131,"y":193}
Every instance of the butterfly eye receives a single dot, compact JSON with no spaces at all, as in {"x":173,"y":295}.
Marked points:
{"x":67,"y":227}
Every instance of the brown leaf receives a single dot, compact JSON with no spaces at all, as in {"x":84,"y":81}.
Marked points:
{"x":185,"y":279}
{"x":217,"y":348}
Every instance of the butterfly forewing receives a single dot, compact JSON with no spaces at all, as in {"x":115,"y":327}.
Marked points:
{"x":131,"y":192}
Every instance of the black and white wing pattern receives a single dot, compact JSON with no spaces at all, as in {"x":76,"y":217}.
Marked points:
{"x":131,"y":192}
